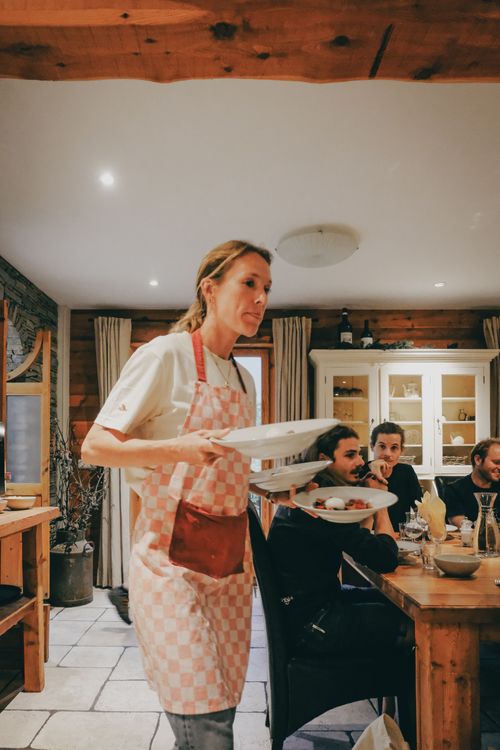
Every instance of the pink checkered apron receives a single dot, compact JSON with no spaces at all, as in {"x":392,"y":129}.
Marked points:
{"x":194,"y":629}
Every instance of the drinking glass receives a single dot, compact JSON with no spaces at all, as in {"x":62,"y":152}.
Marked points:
{"x":413,"y":530}
{"x":429,"y":551}
{"x":438,"y":538}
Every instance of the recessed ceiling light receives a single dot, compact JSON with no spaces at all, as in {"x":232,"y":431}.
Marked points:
{"x":106,"y":179}
{"x":153,"y":282}
{"x":439,"y":283}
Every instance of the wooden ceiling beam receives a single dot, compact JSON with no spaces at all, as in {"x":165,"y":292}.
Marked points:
{"x":320,"y":41}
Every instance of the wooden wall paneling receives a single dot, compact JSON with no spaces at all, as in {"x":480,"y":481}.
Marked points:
{"x":436,"y":328}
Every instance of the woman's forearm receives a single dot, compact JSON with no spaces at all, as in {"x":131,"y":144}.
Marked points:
{"x":106,"y":447}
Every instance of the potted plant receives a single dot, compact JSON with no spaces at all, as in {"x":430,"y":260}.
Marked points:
{"x":79,"y":492}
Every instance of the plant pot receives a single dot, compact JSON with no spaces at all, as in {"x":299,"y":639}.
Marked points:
{"x":71,"y":573}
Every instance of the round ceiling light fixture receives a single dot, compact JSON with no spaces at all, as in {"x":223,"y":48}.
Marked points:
{"x":318,"y":247}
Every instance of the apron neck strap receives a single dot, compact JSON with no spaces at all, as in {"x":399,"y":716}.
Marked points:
{"x":200,"y":360}
{"x":198,"y":355}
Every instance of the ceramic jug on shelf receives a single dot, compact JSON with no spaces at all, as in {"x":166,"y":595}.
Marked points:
{"x":486,"y":534}
{"x":410,"y":390}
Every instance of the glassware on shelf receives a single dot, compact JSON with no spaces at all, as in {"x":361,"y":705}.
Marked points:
{"x":486,"y":534}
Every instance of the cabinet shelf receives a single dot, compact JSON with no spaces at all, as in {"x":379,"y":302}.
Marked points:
{"x":455,"y":399}
{"x":442,"y":382}
{"x":350,"y":398}
{"x":415,"y":399}
{"x":351,"y":421}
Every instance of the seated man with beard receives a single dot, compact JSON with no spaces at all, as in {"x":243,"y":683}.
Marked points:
{"x":485,"y":477}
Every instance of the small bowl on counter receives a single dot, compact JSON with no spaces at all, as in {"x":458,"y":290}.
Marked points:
{"x":21,"y":502}
{"x":3,"y":504}
{"x":460,"y":566}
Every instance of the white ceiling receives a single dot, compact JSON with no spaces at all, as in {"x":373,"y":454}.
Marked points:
{"x":413,"y":168}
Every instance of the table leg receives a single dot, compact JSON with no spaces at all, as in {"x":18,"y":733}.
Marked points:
{"x":447,"y":687}
{"x":34,"y":678}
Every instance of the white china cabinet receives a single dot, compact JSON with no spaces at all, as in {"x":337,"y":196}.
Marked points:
{"x":441,"y":397}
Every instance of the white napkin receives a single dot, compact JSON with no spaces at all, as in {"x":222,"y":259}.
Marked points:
{"x":382,"y":734}
{"x":433,"y":510}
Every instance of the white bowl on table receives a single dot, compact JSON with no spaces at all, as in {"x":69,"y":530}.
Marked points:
{"x":21,"y":502}
{"x":378,"y":499}
{"x":457,"y":565}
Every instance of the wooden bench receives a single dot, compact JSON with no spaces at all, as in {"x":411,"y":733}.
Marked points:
{"x":29,"y":609}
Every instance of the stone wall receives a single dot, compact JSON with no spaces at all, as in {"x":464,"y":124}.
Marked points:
{"x":30,"y":310}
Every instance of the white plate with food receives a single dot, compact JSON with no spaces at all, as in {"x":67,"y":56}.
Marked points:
{"x":276,"y":440}
{"x":282,"y":478}
{"x":345,"y":504}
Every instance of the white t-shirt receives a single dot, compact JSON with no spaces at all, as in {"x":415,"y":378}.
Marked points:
{"x":152,"y":396}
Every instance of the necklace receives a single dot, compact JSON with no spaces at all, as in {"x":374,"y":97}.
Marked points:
{"x":225,"y":376}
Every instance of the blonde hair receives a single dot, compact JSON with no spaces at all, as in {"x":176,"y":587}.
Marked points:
{"x":213,"y":266}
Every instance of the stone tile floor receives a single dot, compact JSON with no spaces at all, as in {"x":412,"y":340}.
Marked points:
{"x":96,"y":695}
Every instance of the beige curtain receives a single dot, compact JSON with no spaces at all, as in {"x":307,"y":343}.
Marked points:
{"x":491,"y":328}
{"x":112,"y":342}
{"x":291,"y":337}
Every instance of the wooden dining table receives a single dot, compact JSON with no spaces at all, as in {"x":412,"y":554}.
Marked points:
{"x":451,"y":616}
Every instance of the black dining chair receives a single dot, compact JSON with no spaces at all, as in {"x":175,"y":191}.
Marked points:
{"x":301,"y":688}
{"x":440,"y":483}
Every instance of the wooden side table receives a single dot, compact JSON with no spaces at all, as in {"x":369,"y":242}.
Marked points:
{"x":29,"y":608}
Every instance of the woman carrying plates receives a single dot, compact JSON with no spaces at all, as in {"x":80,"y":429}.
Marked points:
{"x":190,"y":569}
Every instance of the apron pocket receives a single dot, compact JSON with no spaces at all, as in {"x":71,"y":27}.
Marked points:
{"x":206,"y":543}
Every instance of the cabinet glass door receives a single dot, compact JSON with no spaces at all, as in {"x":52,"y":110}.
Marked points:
{"x":405,"y":400}
{"x":351,"y":398}
{"x":457,"y":427}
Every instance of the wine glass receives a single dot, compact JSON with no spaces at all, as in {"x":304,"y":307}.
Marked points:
{"x":438,"y":536}
{"x":413,"y":530}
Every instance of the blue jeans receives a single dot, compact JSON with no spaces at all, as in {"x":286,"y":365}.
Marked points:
{"x":213,"y":731}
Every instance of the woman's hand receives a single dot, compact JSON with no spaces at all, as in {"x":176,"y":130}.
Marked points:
{"x":197,"y":447}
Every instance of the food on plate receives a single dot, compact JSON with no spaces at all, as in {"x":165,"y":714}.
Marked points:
{"x":336,"y":503}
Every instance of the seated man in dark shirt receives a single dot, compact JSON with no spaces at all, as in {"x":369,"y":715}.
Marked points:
{"x":387,"y":442}
{"x":323,"y":616}
{"x":485,"y":477}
